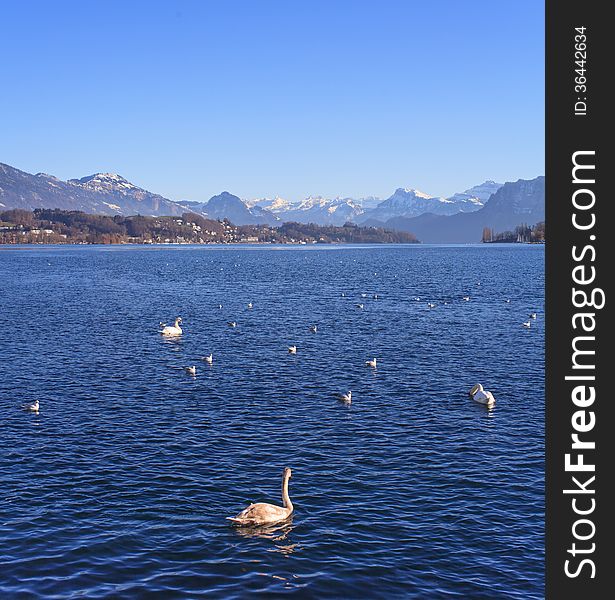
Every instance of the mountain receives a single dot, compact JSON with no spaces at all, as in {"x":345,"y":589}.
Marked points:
{"x":102,"y":193}
{"x":323,"y":211}
{"x":412,"y":203}
{"x":233,"y":208}
{"x":522,"y":201}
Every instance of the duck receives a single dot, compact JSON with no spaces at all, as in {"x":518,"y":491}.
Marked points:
{"x":263,"y":513}
{"x":478,"y":394}
{"x":527,"y":324}
{"x":209,"y":359}
{"x":292,"y":349}
{"x":232,"y":323}
{"x":31,"y":406}
{"x":345,"y":398}
{"x":533,"y":315}
{"x":172,"y":329}
{"x":190,"y":370}
{"x":313,"y":328}
{"x":371,"y":363}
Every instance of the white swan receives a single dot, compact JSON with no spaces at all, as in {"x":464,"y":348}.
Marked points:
{"x":219,"y":305}
{"x":533,"y":315}
{"x":190,"y":370}
{"x":345,"y":398}
{"x":507,"y":300}
{"x":232,"y":323}
{"x":313,"y":328}
{"x":363,"y":295}
{"x":371,"y":363}
{"x":375,"y":296}
{"x":466,"y":298}
{"x":359,"y":306}
{"x":263,"y":513}
{"x":172,"y":329}
{"x":527,"y":324}
{"x":209,"y":359}
{"x":431,"y":305}
{"x":250,"y":305}
{"x":31,"y":406}
{"x":292,"y":349}
{"x":478,"y":394}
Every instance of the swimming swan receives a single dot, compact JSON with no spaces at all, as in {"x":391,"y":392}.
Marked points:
{"x":527,"y":324}
{"x":371,"y":363}
{"x":313,"y":328}
{"x":466,"y":298}
{"x":478,"y":394}
{"x":345,"y":398}
{"x":31,"y":406}
{"x":232,"y":324}
{"x":209,"y":359}
{"x":172,"y":329}
{"x":533,"y":315}
{"x":190,"y":371}
{"x":292,"y":349}
{"x":263,"y":513}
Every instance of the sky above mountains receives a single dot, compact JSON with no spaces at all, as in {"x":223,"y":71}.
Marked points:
{"x":269,"y":98}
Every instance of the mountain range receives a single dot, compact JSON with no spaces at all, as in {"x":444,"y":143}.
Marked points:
{"x":460,"y":217}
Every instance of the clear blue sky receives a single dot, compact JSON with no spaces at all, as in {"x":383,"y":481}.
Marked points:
{"x":271,"y":97}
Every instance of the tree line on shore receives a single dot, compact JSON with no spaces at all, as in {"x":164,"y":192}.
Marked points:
{"x":522,"y":234}
{"x":55,"y":226}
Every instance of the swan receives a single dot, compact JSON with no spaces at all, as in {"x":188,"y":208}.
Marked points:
{"x":232,"y":324}
{"x":371,"y":363}
{"x":263,"y":513}
{"x":313,"y":328}
{"x":209,"y":359}
{"x":292,"y":349}
{"x":363,"y":295}
{"x":417,"y":298}
{"x":431,"y":305}
{"x":375,"y":296}
{"x":478,"y":394}
{"x":466,"y":298}
{"x":359,"y":306}
{"x":190,"y":370}
{"x":345,"y":398}
{"x":527,"y":324}
{"x":250,"y":305}
{"x":172,"y":329}
{"x":533,"y":315}
{"x":31,"y":406}
{"x":507,"y":300}
{"x":219,"y":305}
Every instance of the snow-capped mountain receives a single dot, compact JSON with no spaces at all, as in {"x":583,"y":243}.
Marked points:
{"x":475,"y":197}
{"x":409,"y":203}
{"x":233,"y":208}
{"x":274,"y":205}
{"x":102,"y":193}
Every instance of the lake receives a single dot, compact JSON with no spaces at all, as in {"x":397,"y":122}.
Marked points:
{"x":120,"y":485}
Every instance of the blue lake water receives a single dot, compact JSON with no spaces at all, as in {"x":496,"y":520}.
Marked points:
{"x":120,"y":486}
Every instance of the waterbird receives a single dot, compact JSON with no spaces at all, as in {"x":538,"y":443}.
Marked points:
{"x":219,"y":305}
{"x":172,"y":329}
{"x":345,"y":398}
{"x":466,"y":298}
{"x":232,"y":323}
{"x":263,"y":513}
{"x":363,"y":295}
{"x":478,"y":394}
{"x":533,"y":315}
{"x":417,"y":298}
{"x":190,"y":370}
{"x":292,"y":349}
{"x":527,"y":324}
{"x":209,"y":359}
{"x":343,"y":295}
{"x":371,"y":363}
{"x":507,"y":300}
{"x":431,"y":305}
{"x":31,"y":406}
{"x":359,"y":306}
{"x":250,"y":305}
{"x":313,"y":328}
{"x":375,"y":296}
